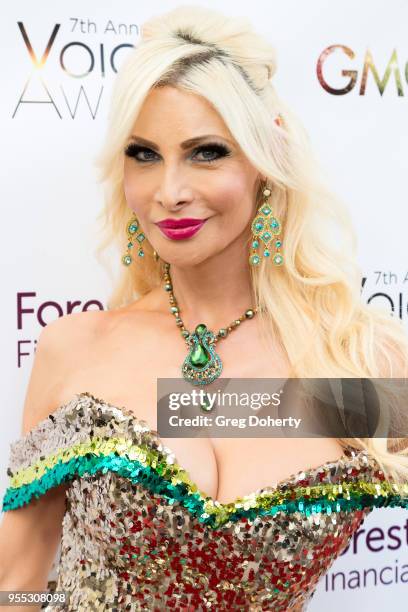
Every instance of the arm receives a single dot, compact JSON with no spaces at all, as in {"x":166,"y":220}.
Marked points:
{"x":29,"y":539}
{"x":29,"y":536}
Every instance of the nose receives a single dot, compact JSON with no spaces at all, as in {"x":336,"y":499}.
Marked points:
{"x":173,"y":191}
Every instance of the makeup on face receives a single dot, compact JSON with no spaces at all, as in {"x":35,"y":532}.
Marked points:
{"x":184,"y":172}
{"x":178,"y":229}
{"x":145,"y":152}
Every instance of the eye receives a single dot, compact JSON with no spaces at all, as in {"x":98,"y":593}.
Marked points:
{"x":141,"y":154}
{"x":204,"y":153}
{"x":212,"y":152}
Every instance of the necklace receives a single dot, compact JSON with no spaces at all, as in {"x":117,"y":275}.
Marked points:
{"x":202,"y":364}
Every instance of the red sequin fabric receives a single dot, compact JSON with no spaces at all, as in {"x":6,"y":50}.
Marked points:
{"x":139,"y":535}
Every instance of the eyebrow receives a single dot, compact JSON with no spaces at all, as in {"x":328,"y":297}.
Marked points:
{"x":186,"y":144}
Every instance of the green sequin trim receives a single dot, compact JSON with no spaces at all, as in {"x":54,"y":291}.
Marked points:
{"x":147,"y":466}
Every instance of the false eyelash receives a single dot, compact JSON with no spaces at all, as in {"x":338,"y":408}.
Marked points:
{"x":132,"y":149}
{"x":220,"y":148}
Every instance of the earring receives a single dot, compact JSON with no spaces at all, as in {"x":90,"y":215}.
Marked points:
{"x":131,"y":232}
{"x":265,"y":227}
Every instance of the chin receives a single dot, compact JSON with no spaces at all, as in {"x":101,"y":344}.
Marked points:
{"x":185,"y":258}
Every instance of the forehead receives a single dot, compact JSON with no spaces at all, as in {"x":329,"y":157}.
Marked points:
{"x":169,"y":111}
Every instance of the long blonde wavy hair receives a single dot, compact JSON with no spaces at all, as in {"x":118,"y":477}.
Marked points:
{"x":312,"y":303}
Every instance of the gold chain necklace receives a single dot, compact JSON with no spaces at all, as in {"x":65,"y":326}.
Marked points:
{"x":202,"y":364}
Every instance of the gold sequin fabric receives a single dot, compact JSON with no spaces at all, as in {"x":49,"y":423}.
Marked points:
{"x":139,"y":535}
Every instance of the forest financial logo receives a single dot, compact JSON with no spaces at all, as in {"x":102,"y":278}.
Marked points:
{"x":32,"y":311}
{"x":370,"y":546}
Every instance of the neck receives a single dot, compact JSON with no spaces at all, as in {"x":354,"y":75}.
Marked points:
{"x":216,"y":291}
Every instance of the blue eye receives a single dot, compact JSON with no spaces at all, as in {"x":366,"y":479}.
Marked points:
{"x":133,"y":150}
{"x":210,"y":152}
{"x":216,"y":151}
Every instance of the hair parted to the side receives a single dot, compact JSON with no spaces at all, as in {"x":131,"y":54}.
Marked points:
{"x":312,"y":303}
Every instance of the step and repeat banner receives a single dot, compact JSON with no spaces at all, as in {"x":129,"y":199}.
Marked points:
{"x":343,"y":68}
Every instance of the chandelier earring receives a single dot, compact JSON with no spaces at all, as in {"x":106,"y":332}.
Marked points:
{"x":266,"y":229}
{"x":133,"y":233}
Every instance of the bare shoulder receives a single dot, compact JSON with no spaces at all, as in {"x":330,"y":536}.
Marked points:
{"x":85,"y":333}
{"x":84,"y":329}
{"x":73,"y":352}
{"x":60,"y":343}
{"x":71,"y":327}
{"x":70,"y":351}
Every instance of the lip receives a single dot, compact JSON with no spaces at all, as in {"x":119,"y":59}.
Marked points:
{"x":181,"y":232}
{"x":179,"y":223}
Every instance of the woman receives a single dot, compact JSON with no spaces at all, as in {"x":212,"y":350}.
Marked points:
{"x":197,"y":142}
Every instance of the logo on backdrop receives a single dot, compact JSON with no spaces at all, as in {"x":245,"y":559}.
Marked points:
{"x":355,"y":76}
{"x":55,"y":67}
{"x":375,"y":541}
{"x":31,"y":310}
{"x":387,"y":290}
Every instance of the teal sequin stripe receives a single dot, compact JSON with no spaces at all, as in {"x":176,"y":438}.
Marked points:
{"x":304,"y":499}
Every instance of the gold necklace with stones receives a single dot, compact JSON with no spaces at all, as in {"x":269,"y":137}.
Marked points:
{"x":202,"y":364}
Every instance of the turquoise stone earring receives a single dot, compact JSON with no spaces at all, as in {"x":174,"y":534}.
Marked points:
{"x":265,"y":228}
{"x":132,"y":233}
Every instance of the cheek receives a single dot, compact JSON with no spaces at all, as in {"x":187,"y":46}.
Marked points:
{"x":128,"y":183}
{"x":135,"y":191}
{"x":233,"y":193}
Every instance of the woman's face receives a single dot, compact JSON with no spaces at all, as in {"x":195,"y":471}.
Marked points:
{"x":181,"y":163}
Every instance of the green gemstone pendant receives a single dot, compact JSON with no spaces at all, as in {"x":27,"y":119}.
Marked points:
{"x":202,"y":364}
{"x":206,"y":406}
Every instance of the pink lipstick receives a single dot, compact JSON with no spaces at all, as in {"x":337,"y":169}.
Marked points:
{"x":178,"y":229}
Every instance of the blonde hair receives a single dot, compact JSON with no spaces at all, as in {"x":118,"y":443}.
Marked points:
{"x":315,"y":295}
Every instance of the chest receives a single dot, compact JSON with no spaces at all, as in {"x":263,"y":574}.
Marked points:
{"x":123,"y":367}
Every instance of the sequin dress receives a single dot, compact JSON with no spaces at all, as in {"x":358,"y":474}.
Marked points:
{"x":139,"y":535}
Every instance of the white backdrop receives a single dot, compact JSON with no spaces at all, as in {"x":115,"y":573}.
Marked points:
{"x":53,"y":111}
